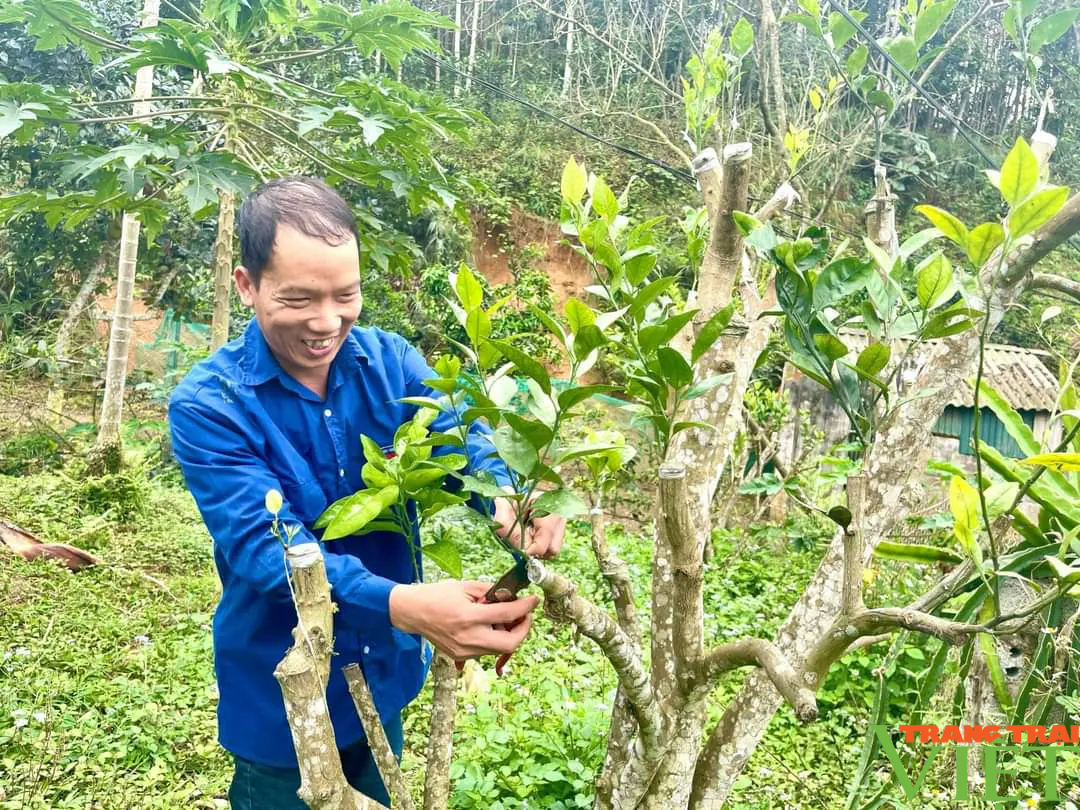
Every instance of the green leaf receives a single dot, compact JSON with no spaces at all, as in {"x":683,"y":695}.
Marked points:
{"x":560,"y":502}
{"x":445,"y":555}
{"x":918,"y":241}
{"x":536,"y":433}
{"x":676,"y":370}
{"x":953,"y":229}
{"x":1065,"y":574}
{"x":516,"y":450}
{"x":660,"y":334}
{"x":742,"y":37}
{"x":964,"y":505}
{"x":373,"y":453}
{"x":574,"y":181}
{"x":856,"y":60}
{"x":930,"y":20}
{"x":1063,"y":462}
{"x":679,"y":427}
{"x":589,"y":338}
{"x":604,"y":202}
{"x":839,"y":278}
{"x":469,"y":291}
{"x":1036,"y":210}
{"x":746,"y":223}
{"x":486,"y":489}
{"x":873,"y":358}
{"x":704,"y":386}
{"x":904,"y":51}
{"x":418,"y":479}
{"x":578,"y":315}
{"x":649,"y":293}
{"x":638,"y":263}
{"x":793,"y":294}
{"x":572,"y":396}
{"x":711,"y":330}
{"x":524,"y":363}
{"x":374,"y":478}
{"x":363,"y":508}
{"x":983,"y":241}
{"x":586,"y":450}
{"x":1019,"y":173}
{"x":842,"y":31}
{"x":934,"y":280}
{"x":1051,"y":28}
{"x":988,"y":646}
{"x":830,"y":346}
{"x":915,"y":553}
{"x":999,"y":497}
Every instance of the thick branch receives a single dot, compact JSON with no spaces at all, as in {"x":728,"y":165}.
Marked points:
{"x":724,"y":254}
{"x":1058,"y":229}
{"x":1049,"y":281}
{"x":756,"y":652}
{"x":851,"y":601}
{"x":378,"y":743}
{"x":563,"y":604}
{"x":441,"y":734}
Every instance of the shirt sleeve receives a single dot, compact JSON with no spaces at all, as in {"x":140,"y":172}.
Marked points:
{"x":479,"y":448}
{"x":229,"y":481}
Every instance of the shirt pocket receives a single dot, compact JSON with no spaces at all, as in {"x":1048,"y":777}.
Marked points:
{"x":306,"y":497}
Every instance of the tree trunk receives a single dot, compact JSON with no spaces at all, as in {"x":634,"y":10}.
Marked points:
{"x":472,"y":43}
{"x":54,"y":404}
{"x":223,"y":269}
{"x":457,"y":46}
{"x":105,"y":455}
{"x":568,"y":66}
{"x":773,"y":108}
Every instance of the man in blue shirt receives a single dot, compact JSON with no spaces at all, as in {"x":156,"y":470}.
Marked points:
{"x":283,"y":407}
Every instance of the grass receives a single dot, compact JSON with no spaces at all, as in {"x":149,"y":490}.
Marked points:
{"x":107,"y":696}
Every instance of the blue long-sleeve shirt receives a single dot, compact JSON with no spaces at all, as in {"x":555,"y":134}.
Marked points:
{"x":241,"y":426}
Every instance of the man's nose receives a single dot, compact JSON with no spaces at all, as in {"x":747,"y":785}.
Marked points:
{"x":326,"y":320}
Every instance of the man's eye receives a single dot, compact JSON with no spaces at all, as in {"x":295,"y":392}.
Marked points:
{"x":295,"y":302}
{"x":349,"y":296}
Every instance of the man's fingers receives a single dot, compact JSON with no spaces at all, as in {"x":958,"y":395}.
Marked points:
{"x":502,"y":640}
{"x":506,"y":612}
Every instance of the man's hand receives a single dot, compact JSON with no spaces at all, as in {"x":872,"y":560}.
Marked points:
{"x":543,"y":535}
{"x":451,"y":616}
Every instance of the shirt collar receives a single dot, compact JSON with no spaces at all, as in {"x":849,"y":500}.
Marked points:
{"x":260,"y":365}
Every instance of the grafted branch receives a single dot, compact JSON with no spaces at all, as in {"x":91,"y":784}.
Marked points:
{"x":755,"y":652}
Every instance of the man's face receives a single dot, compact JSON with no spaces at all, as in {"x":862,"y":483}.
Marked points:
{"x":307,"y":300}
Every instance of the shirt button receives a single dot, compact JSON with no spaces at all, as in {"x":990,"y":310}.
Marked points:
{"x":341,"y":473}
{"x":328,"y":413}
{"x":367,"y":649}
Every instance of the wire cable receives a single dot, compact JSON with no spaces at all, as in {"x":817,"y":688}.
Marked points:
{"x":679,"y":174}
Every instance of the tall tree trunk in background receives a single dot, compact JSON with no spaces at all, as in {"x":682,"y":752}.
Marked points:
{"x":472,"y":43}
{"x":105,"y":455}
{"x":223,"y":269}
{"x":457,"y":46}
{"x":568,"y":65}
{"x":54,"y":403}
{"x":773,"y":109}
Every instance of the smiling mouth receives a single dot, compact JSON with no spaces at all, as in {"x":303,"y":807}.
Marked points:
{"x":326,"y":343}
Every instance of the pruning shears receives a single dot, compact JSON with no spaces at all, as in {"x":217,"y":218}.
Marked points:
{"x":506,"y":589}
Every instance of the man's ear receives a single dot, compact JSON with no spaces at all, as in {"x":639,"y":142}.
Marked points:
{"x":245,"y":286}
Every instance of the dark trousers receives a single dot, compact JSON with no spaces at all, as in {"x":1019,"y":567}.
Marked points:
{"x":260,"y":787}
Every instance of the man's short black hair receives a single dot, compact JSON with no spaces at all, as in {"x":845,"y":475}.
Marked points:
{"x":305,"y":204}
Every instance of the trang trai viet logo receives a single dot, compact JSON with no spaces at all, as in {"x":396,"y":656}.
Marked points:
{"x":997,"y":745}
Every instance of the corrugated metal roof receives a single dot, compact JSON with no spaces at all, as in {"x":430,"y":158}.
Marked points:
{"x":1016,"y":373}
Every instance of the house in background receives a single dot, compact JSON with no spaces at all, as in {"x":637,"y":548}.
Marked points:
{"x":1020,"y":375}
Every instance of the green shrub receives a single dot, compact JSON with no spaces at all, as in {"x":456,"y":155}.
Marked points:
{"x":28,"y":453}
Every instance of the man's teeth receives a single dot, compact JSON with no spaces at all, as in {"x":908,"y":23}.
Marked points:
{"x":320,"y":344}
